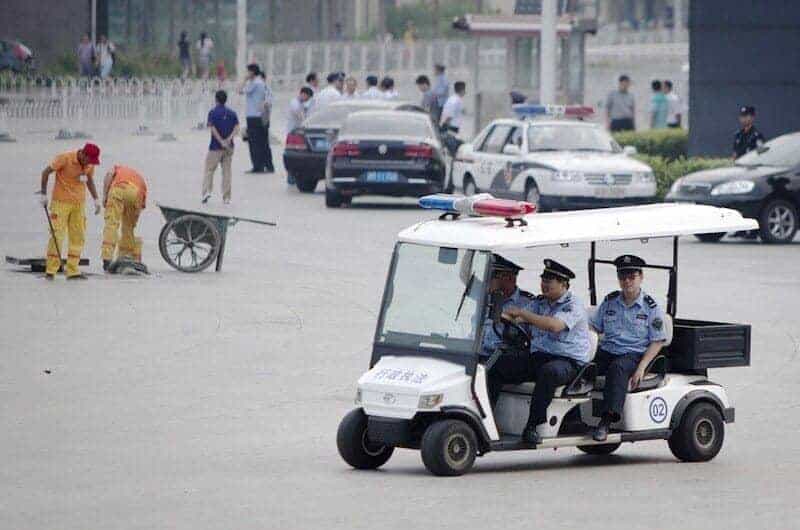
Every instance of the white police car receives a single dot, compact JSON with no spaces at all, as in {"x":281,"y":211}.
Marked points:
{"x":554,"y":163}
{"x":426,"y":387}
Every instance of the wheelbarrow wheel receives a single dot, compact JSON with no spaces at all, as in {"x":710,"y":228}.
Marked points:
{"x":190,"y":243}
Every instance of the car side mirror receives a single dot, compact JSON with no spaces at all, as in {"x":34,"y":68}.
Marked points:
{"x":630,"y":150}
{"x":511,"y":149}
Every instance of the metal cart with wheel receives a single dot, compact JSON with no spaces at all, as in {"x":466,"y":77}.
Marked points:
{"x":190,"y":241}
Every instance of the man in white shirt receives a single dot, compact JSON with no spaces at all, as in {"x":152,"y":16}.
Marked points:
{"x":387,"y":88}
{"x":351,"y":89}
{"x":104,"y":52}
{"x":454,"y":108}
{"x":674,"y":106}
{"x":372,"y":91}
{"x":331,"y":93}
{"x":297,"y":109}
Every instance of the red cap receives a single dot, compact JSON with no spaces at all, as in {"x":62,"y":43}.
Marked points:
{"x":92,"y":152}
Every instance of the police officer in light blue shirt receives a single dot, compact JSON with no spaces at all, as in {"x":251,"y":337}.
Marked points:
{"x":503,"y":282}
{"x":632,"y":325}
{"x":559,"y":344}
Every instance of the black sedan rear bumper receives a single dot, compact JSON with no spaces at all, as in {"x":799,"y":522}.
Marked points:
{"x":409,"y":184}
{"x":305,"y":163}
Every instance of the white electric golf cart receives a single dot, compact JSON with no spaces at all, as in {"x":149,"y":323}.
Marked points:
{"x":426,"y":387}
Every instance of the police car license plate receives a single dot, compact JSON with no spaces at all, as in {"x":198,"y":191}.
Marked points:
{"x":610,"y":192}
{"x":322,"y":143}
{"x":382,"y":176}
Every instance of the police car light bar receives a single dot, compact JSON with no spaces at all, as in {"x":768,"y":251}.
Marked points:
{"x":482,"y":204}
{"x":528,"y":110}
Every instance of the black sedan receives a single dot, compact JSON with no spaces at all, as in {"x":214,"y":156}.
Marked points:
{"x":394,"y":153}
{"x":307,"y":147}
{"x":763,"y":184}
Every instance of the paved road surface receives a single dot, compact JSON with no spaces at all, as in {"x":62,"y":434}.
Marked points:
{"x":212,"y":400}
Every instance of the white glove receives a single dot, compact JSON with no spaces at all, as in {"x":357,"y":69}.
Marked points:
{"x":42,"y":198}
{"x":96,"y":207}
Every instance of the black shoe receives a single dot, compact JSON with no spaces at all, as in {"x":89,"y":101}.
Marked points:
{"x":106,"y":263}
{"x":600,"y":433}
{"x":269,"y":170}
{"x":529,"y":435}
{"x":78,"y":277}
{"x":254,"y":171}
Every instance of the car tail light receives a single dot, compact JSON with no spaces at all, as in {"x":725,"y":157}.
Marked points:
{"x":345,"y":149}
{"x":296,"y":142}
{"x":419,"y":151}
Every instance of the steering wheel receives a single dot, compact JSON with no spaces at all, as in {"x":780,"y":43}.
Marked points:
{"x":513,"y":334}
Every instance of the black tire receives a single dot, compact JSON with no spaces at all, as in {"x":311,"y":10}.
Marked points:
{"x":532,"y":195}
{"x":699,"y":435}
{"x":333,"y":199}
{"x":778,"y":222}
{"x":306,"y":183}
{"x":354,"y":446}
{"x":449,"y":448}
{"x":604,"y":449}
{"x":175,"y":239}
{"x":469,"y":184}
{"x":710,"y":238}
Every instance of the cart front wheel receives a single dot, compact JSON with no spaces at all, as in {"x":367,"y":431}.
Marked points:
{"x":355,"y":447}
{"x":700,"y":434}
{"x":190,"y":243}
{"x":449,"y":448}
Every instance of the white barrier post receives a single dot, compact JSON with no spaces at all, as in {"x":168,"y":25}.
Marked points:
{"x":5,"y":132}
{"x":64,"y":133}
{"x":166,"y":101}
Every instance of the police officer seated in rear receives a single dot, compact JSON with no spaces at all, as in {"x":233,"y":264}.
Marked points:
{"x":632,"y":325}
{"x":748,"y":137}
{"x":504,"y":285}
{"x":559,"y":345}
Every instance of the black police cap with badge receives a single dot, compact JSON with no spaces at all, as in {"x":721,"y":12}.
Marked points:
{"x":553,"y":269}
{"x":747,"y":110}
{"x":629,"y":262}
{"x":501,"y":264}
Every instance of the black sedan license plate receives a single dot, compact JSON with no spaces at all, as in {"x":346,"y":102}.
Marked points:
{"x":382,"y":176}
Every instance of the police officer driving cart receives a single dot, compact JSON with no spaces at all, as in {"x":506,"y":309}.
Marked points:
{"x":748,"y":137}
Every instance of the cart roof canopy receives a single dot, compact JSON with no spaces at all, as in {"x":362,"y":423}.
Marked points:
{"x":609,"y":224}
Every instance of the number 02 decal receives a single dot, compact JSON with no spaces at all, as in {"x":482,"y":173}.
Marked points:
{"x":658,"y":410}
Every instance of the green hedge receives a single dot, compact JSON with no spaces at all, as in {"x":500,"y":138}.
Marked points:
{"x":125,"y":65}
{"x":668,"y":143}
{"x":668,"y":171}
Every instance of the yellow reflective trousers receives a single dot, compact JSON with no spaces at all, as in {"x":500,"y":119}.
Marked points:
{"x":122,"y":207}
{"x":66,"y":217}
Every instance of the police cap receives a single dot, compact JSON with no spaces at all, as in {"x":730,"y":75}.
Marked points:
{"x":629,"y":262}
{"x":501,"y":264}
{"x":333,"y":76}
{"x":747,"y":110}
{"x":554,"y":268}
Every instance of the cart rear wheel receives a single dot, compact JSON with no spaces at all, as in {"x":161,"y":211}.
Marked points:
{"x":354,"y":446}
{"x":449,"y":448}
{"x":190,"y":243}
{"x":601,"y":449}
{"x":700,"y":434}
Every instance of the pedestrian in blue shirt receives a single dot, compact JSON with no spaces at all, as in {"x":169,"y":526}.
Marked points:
{"x":255,"y":91}
{"x":440,"y":90}
{"x":559,"y":345}
{"x":659,"y":107}
{"x":224,"y":125}
{"x":633,"y":331}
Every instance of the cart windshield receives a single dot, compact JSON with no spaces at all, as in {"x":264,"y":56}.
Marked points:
{"x":433,"y":298}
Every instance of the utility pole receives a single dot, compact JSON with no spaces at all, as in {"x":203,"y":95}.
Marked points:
{"x":241,"y":38}
{"x":547,"y":66}
{"x":94,"y":22}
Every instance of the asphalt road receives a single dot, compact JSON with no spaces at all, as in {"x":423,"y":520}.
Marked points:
{"x":212,"y":400}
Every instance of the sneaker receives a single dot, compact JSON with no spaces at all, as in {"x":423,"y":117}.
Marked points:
{"x":50,"y":277}
{"x":106,"y":263}
{"x":600,"y":433}
{"x":529,"y":435}
{"x":206,"y":197}
{"x":78,"y":277}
